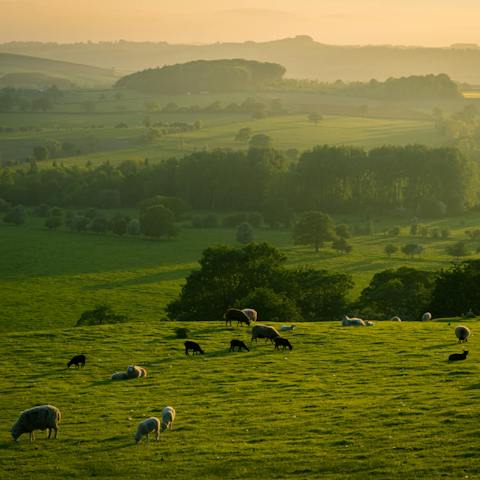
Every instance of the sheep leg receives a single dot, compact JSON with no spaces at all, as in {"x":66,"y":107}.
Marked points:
{"x":55,"y":432}
{"x":157,"y":434}
{"x":148,"y":438}
{"x":49,"y":430}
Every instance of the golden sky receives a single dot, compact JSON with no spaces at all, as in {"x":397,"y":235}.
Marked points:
{"x":407,"y":22}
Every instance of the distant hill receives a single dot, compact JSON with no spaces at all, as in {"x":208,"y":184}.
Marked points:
{"x":80,"y":75}
{"x":31,"y":80}
{"x":302,"y":57}
{"x":211,"y":76}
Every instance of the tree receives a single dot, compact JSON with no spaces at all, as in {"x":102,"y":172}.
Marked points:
{"x":343,"y":231}
{"x":119,"y":225}
{"x":133,"y":227}
{"x":15,"y":215}
{"x":457,"y":250}
{"x":40,"y":152}
{"x":158,"y":221}
{"x":53,"y":222}
{"x":261,"y":141}
{"x":243,"y":135}
{"x":244,"y":233}
{"x":341,"y":245}
{"x":390,"y":249}
{"x":99,"y":224}
{"x":314,"y":118}
{"x":100,"y":315}
{"x":313,"y":228}
{"x":412,"y":249}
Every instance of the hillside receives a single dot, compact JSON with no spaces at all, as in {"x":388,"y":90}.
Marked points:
{"x":302,"y":57}
{"x":80,"y":75}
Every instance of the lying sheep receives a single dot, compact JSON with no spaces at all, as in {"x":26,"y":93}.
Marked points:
{"x":149,"y":425}
{"x":264,"y":331}
{"x":78,"y":361}
{"x":427,"y":316}
{"x":168,"y":416}
{"x":395,"y":319}
{"x":285,"y":328}
{"x":194,"y":346}
{"x":282,"y":342}
{"x":239,"y":345}
{"x":458,"y":356}
{"x":37,"y":418}
{"x":369,"y":323}
{"x":462,"y":333}
{"x":119,"y":376}
{"x":133,"y":371}
{"x":352,"y":322}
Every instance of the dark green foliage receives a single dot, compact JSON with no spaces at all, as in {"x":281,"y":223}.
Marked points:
{"x":119,"y":225}
{"x":394,"y":231}
{"x":431,"y":208}
{"x":100,"y":315}
{"x":179,"y":207}
{"x":4,"y":205}
{"x":99,"y":225}
{"x":412,"y":249}
{"x":390,"y":249}
{"x":182,"y":332}
{"x":343,"y":231}
{"x":205,"y":221}
{"x":158,"y":221}
{"x":456,"y":290}
{"x":261,"y":141}
{"x":458,"y":249}
{"x":445,"y":233}
{"x":341,"y":245}
{"x":404,"y":292}
{"x":314,"y":118}
{"x":243,"y":135}
{"x":40,"y":153}
{"x":255,"y":219}
{"x":204,"y":76}
{"x":79,"y":223}
{"x":245,"y":233}
{"x":234,"y":220}
{"x":15,"y":215}
{"x":53,"y":222}
{"x":41,"y":210}
{"x":133,"y":227}
{"x":313,"y":228}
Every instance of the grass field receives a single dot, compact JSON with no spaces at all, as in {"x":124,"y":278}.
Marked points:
{"x":345,"y":403}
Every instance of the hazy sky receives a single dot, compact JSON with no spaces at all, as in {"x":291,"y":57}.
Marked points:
{"x":419,"y":22}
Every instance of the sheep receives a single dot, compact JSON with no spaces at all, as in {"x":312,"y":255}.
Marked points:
{"x":133,"y":371}
{"x":77,"y":360}
{"x":234,"y":314}
{"x":264,"y":331}
{"x":369,"y":323}
{"x":194,"y":346}
{"x":119,"y":376}
{"x":395,"y":319}
{"x":427,"y":316}
{"x":239,"y":345}
{"x":462,"y":333}
{"x":352,"y":322}
{"x":168,"y":416}
{"x":458,"y":356}
{"x":280,"y":341}
{"x":286,"y":328}
{"x":250,"y":313}
{"x":37,"y":418}
{"x":469,"y":314}
{"x":151,"y":424}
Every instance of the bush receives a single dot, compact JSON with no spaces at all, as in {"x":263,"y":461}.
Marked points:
{"x":53,"y":222}
{"x":99,"y":225}
{"x":207,"y":221}
{"x":100,"y":315}
{"x":181,"y":332}
{"x":41,"y":210}
{"x":79,"y":223}
{"x":234,"y":220}
{"x":341,"y":245}
{"x":390,"y":249}
{"x":158,"y":221}
{"x":119,"y":225}
{"x":133,"y":227}
{"x":343,"y":231}
{"x":244,"y":233}
{"x":15,"y":215}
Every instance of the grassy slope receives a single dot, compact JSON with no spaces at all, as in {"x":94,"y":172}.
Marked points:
{"x":346,"y":403}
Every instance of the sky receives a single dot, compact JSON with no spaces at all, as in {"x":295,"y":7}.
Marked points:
{"x":347,"y":22}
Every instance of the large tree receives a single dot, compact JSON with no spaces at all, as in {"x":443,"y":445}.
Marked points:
{"x":313,"y":228}
{"x":158,"y":221}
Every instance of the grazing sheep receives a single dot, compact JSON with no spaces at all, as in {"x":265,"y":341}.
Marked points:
{"x":280,"y":341}
{"x":168,"y":416}
{"x":264,"y":331}
{"x":250,"y":313}
{"x":119,"y":376}
{"x":469,"y":314}
{"x":37,"y":418}
{"x":149,"y":425}
{"x":396,"y":319}
{"x":77,"y":360}
{"x":234,"y":314}
{"x":462,"y":333}
{"x":239,"y":345}
{"x":352,"y":322}
{"x":427,"y":316}
{"x":133,"y":371}
{"x":369,"y":323}
{"x":458,"y":356}
{"x":286,"y":328}
{"x":194,"y":346}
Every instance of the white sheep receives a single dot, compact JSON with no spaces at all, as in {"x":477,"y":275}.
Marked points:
{"x":149,"y":425}
{"x":352,"y":322}
{"x":427,"y":316}
{"x":395,"y":319}
{"x":119,"y":376}
{"x":37,"y":418}
{"x":286,"y":328}
{"x":250,"y":313}
{"x":168,"y":416}
{"x":462,"y":333}
{"x":133,"y":371}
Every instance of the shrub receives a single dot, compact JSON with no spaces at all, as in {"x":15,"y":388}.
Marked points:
{"x":244,"y":233}
{"x":207,"y":221}
{"x":99,"y":225}
{"x":100,"y":315}
{"x":343,"y":231}
{"x":390,"y":249}
{"x":15,"y":215}
{"x":182,"y":332}
{"x":412,"y":249}
{"x":158,"y":221}
{"x":53,"y":222}
{"x":234,"y":220}
{"x":341,"y":245}
{"x":41,"y":210}
{"x":133,"y":227}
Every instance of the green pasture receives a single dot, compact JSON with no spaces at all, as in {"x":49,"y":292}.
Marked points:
{"x":346,"y":403}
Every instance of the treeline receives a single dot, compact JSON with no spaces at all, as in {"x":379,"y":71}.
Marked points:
{"x":26,"y":100}
{"x":403,"y":180}
{"x":211,"y":76}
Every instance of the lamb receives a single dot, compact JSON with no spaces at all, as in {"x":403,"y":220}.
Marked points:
{"x":77,"y":360}
{"x":280,"y":341}
{"x":37,"y":418}
{"x":194,"y":346}
{"x":427,"y":316}
{"x":133,"y":371}
{"x":264,"y":331}
{"x":395,"y":319}
{"x":149,"y":425}
{"x":239,"y":345}
{"x":250,"y":313}
{"x":458,"y":356}
{"x":286,"y":328}
{"x":168,"y":416}
{"x":234,"y":314}
{"x":119,"y":376}
{"x":462,"y":333}
{"x":352,"y":322}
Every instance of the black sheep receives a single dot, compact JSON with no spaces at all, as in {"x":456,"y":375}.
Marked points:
{"x":238,"y":344}
{"x":458,"y":356}
{"x":77,"y":360}
{"x":194,"y":346}
{"x":280,"y":341}
{"x":235,"y":314}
